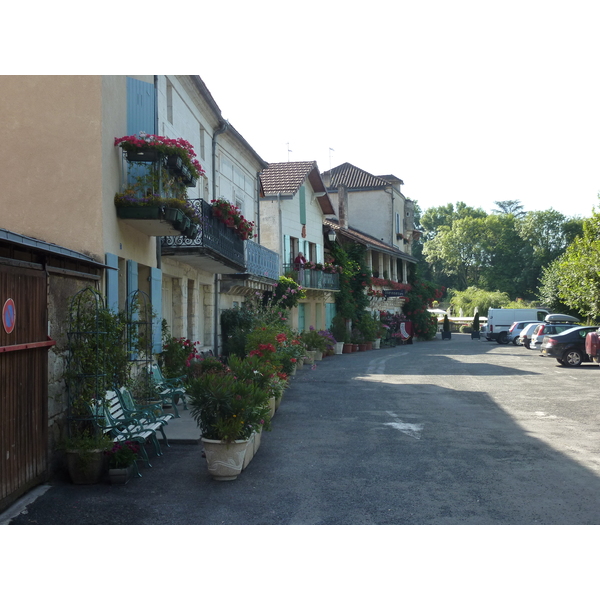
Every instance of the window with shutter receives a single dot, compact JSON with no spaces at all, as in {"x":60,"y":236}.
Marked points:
{"x":302,"y":195}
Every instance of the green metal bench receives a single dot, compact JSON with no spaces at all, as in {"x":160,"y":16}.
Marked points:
{"x":122,"y":428}
{"x":170,"y":390}
{"x":148,"y":412}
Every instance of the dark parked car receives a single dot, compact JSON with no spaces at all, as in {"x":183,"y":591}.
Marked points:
{"x":553,"y":324}
{"x":568,"y":347}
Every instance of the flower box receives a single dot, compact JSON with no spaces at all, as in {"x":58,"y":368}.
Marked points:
{"x":141,"y":155}
{"x":153,"y":220}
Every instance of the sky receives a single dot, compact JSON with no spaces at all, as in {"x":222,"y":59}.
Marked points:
{"x":465,"y":101}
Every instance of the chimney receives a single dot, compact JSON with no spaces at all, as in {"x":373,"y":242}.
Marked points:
{"x":343,"y":205}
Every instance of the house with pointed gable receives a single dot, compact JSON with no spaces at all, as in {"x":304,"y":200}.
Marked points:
{"x":372,"y":211}
{"x":293,"y":207}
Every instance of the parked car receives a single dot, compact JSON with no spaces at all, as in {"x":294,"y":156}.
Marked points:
{"x":568,"y":347}
{"x":515,"y":330}
{"x":552,"y":325}
{"x":526,"y":333}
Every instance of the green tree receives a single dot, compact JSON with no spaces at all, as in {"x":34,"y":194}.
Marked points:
{"x":474,"y":299}
{"x":439,"y":216}
{"x":507,"y":256}
{"x":579,"y":271}
{"x":459,"y":250}
{"x":548,"y":290}
{"x":509,"y":207}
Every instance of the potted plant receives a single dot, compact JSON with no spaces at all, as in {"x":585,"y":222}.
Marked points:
{"x":475,"y":334}
{"x":121,"y":461}
{"x":84,"y":452}
{"x":228,"y":410}
{"x":97,"y":354}
{"x":232,"y":217}
{"x":315,"y":343}
{"x":446,"y":333}
{"x":338,"y":331}
{"x":348,"y":345}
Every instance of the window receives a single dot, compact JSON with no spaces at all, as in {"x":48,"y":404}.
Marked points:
{"x":169,"y":102}
{"x":202,"y":136}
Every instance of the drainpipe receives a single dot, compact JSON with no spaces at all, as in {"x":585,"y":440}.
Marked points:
{"x":258,"y":207}
{"x":158,"y":239}
{"x":222,"y":129}
{"x":281,"y":244}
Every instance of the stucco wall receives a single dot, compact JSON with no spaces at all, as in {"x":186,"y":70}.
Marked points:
{"x":51,"y":159}
{"x":371,"y":212}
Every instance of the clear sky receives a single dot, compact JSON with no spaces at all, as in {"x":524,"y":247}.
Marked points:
{"x":468,"y":101}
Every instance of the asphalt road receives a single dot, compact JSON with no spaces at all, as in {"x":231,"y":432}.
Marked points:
{"x":456,"y":431}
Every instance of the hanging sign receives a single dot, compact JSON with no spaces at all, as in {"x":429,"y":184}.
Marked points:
{"x":9,"y":315}
{"x":394,"y":293}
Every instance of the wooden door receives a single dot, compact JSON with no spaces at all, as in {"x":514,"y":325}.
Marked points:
{"x":24,"y":347}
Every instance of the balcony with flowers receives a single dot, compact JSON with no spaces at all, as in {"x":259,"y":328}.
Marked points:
{"x":314,"y":275}
{"x":219,"y":244}
{"x":154,"y":199}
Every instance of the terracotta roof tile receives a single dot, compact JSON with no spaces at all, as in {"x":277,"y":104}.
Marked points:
{"x":353,"y":178}
{"x":285,"y":178}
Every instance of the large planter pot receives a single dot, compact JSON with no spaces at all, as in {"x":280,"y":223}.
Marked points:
{"x":362,"y":347}
{"x":278,"y":400}
{"x":354,"y":347}
{"x":318,"y":355}
{"x":377,"y":344}
{"x":309,"y":359}
{"x":272,"y":405}
{"x":225,"y":460}
{"x":446,"y":335}
{"x":348,"y":348}
{"x":250,"y":451}
{"x":475,"y":335}
{"x":369,"y":345}
{"x":339,"y":347}
{"x":120,"y":476}
{"x":85,"y":468}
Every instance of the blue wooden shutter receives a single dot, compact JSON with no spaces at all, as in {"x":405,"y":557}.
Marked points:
{"x":288,"y":259}
{"x":132,"y":286}
{"x":141,"y":107}
{"x":112,"y":282}
{"x":141,"y":116}
{"x":319,"y":253}
{"x":132,"y":277}
{"x":329,"y":314}
{"x":302,"y":205}
{"x":156,"y":299}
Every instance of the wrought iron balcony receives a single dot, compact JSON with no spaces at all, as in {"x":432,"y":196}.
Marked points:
{"x":216,"y":248}
{"x":313,"y":279}
{"x":261,"y":261}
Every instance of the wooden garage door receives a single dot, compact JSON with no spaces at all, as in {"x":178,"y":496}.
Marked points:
{"x":23,"y":381}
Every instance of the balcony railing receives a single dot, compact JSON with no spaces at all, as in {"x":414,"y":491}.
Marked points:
{"x":261,"y":261}
{"x":215,"y":241}
{"x":310,"y":278}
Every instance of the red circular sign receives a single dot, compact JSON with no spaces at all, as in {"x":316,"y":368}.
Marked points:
{"x":9,"y":315}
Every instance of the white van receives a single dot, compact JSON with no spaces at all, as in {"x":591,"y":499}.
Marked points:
{"x":501,"y":319}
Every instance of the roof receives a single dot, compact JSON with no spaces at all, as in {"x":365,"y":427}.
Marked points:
{"x":48,"y":247}
{"x":287,"y":177}
{"x":353,"y":178}
{"x":367,"y":240}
